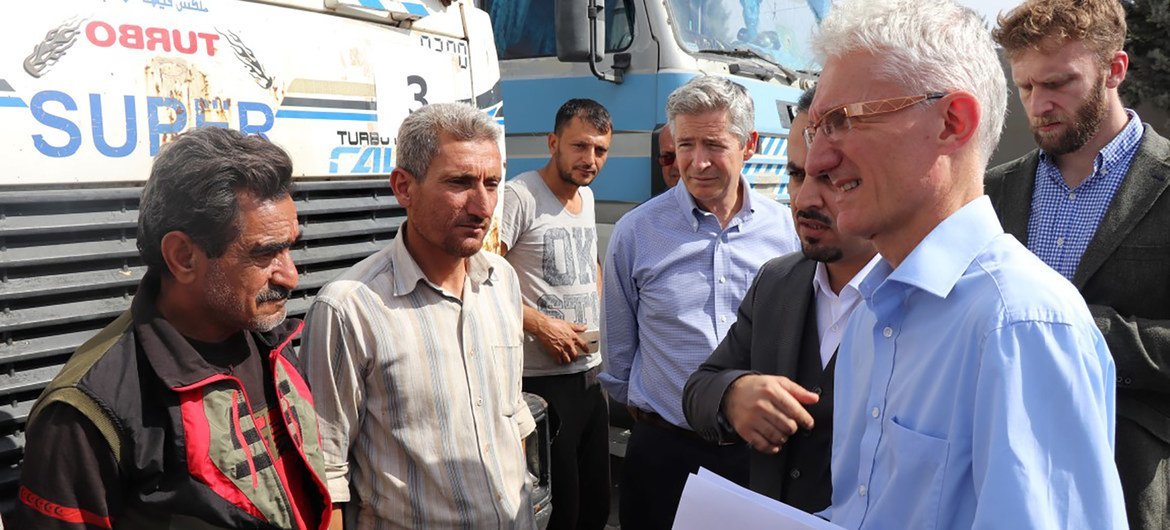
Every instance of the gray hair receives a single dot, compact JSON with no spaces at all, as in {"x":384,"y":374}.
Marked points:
{"x":706,"y":93}
{"x":418,"y":137}
{"x":925,"y":46}
{"x":194,"y":184}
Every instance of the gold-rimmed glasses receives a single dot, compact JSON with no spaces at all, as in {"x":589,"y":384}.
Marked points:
{"x":838,"y":119}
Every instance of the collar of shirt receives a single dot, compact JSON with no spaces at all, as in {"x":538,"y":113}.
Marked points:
{"x":849,"y":294}
{"x":941,"y":258}
{"x":833,"y":310}
{"x":687,"y":203}
{"x":1116,"y":153}
{"x":407,"y":273}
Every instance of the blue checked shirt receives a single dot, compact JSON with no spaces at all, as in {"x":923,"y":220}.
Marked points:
{"x":672,"y":284}
{"x":973,"y":390}
{"x":1063,"y":220}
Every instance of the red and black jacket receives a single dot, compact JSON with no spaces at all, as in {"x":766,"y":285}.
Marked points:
{"x":182,"y":433}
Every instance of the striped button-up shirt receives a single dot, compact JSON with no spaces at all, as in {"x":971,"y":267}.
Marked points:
{"x":1063,"y":220}
{"x":418,"y":394}
{"x":673,"y":282}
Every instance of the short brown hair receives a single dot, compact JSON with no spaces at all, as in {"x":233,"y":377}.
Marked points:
{"x":1099,"y":23}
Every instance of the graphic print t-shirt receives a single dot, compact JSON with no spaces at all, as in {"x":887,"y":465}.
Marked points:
{"x":554,"y":253}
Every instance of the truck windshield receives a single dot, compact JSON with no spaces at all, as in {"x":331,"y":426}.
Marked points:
{"x":777,"y":30}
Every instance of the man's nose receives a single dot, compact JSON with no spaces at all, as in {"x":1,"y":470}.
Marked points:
{"x":822,"y":157}
{"x":1039,"y":103}
{"x":482,"y":202}
{"x":285,"y":274}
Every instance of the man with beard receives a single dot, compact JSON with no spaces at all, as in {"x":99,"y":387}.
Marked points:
{"x":770,"y":382}
{"x":549,"y":235}
{"x":1091,"y":202}
{"x":415,"y":353}
{"x":676,"y":269}
{"x":187,"y":411}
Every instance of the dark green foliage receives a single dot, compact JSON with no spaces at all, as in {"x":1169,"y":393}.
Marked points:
{"x":1148,"y":45}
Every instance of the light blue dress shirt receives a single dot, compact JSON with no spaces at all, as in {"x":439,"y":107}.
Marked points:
{"x":973,"y":391}
{"x":672,"y":283}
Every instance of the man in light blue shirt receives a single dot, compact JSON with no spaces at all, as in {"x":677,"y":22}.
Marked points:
{"x":973,"y":389}
{"x":675,"y":273}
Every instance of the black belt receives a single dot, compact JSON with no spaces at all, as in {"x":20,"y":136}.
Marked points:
{"x":652,"y":418}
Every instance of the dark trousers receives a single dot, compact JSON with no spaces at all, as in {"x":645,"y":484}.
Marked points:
{"x":658,"y":461}
{"x":580,"y":449}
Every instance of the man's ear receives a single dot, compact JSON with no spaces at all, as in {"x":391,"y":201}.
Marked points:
{"x":749,"y":147}
{"x":183,"y":257}
{"x":552,"y":143}
{"x":404,"y":185}
{"x":961,"y":115}
{"x":1118,"y":66}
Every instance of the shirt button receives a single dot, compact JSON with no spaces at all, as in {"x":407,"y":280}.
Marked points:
{"x":835,"y":327}
{"x":862,"y":490}
{"x":1060,"y":241}
{"x":722,"y":279}
{"x":1072,"y":195}
{"x":888,"y":332}
{"x":875,"y":412}
{"x":723,"y":319}
{"x":795,"y":473}
{"x":479,"y":402}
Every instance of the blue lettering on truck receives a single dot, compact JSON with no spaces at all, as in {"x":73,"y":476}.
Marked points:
{"x":164,"y":116}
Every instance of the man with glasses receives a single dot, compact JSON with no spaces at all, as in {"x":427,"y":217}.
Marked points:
{"x":676,"y":269}
{"x":1092,"y":203}
{"x":973,"y":389}
{"x":666,"y":157}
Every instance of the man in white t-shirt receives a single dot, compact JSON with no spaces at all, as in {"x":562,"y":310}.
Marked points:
{"x":549,"y":235}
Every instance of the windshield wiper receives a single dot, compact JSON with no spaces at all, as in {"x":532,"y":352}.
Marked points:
{"x":747,"y":53}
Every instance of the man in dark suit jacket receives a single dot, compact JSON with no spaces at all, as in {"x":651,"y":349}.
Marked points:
{"x":1092,"y":203}
{"x":788,"y":327}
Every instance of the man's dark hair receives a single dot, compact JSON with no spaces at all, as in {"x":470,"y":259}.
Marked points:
{"x":193,"y":187}
{"x":805,"y":101}
{"x":589,"y":111}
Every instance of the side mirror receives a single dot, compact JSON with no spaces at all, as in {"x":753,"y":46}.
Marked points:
{"x":575,"y":29}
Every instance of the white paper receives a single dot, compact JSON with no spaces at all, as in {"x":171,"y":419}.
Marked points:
{"x":711,"y":501}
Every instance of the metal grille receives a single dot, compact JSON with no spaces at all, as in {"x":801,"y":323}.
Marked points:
{"x":69,"y":266}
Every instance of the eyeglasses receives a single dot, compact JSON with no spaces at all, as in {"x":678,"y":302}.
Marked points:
{"x":666,"y":159}
{"x":838,"y":119}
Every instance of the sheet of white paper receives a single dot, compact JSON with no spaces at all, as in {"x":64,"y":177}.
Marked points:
{"x":711,"y":501}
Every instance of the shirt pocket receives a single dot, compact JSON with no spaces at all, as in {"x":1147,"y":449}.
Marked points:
{"x":917,"y":468}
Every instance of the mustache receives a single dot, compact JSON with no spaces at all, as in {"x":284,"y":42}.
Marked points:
{"x":273,"y":293}
{"x":814,"y":215}
{"x":474,"y":220}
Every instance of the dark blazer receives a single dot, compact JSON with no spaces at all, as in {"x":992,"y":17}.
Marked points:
{"x":1125,"y":278}
{"x":774,"y":333}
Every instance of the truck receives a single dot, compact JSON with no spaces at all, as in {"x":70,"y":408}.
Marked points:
{"x":91,"y":89}
{"x":629,"y":55}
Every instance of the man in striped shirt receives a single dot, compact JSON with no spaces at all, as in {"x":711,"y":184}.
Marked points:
{"x":415,"y":353}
